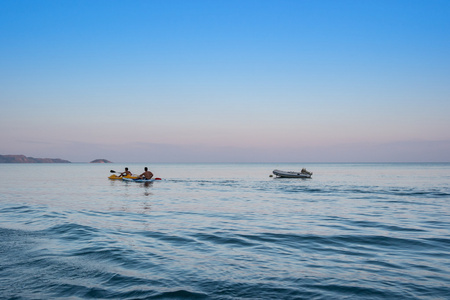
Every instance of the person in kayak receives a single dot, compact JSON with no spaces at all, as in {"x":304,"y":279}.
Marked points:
{"x":126,"y":173}
{"x":146,"y":175}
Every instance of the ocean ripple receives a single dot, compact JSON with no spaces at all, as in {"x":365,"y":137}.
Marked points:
{"x":208,"y":236}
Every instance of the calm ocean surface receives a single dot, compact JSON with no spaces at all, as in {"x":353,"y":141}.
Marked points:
{"x":225,"y":231}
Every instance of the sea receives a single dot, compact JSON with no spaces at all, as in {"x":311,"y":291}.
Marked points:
{"x":225,"y":231}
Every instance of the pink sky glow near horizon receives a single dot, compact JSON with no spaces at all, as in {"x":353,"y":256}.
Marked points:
{"x":231,"y":81}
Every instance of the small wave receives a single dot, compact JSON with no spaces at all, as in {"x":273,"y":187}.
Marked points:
{"x":179,"y":294}
{"x":418,"y":193}
{"x":73,"y":231}
{"x":305,"y":189}
{"x":439,"y":244}
{"x":333,"y":291}
{"x":225,"y":239}
{"x":176,"y":240}
{"x":381,"y":226}
{"x":23,"y":210}
{"x":380,"y":241}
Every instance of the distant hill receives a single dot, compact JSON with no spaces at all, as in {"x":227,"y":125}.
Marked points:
{"x":100,"y":161}
{"x":32,"y":160}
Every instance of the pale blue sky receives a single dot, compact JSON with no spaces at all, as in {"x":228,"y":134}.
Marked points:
{"x":238,"y":81}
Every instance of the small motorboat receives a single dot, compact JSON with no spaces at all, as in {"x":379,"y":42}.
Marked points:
{"x":290,"y":174}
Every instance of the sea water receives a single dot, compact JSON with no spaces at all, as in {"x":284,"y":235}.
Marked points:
{"x":225,"y":231}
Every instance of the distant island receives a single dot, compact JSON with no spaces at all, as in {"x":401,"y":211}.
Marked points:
{"x":29,"y":160}
{"x":100,"y":161}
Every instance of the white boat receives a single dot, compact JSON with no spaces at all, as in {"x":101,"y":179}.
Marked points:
{"x":290,"y":174}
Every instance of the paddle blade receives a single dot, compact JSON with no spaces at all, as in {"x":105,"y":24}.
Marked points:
{"x":157,"y":178}
{"x":112,"y":171}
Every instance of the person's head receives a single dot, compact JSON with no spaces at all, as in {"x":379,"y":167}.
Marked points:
{"x":145,"y":169}
{"x":126,"y":169}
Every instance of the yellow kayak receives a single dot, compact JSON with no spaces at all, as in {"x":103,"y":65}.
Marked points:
{"x":114,"y":176}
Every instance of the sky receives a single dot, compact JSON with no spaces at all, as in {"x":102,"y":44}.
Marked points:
{"x":226,"y":81}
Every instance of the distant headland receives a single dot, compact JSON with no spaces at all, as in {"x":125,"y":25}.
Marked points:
{"x":100,"y":161}
{"x":32,"y":160}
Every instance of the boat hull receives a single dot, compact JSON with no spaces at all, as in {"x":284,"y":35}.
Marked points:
{"x":141,"y":180}
{"x":290,"y":174}
{"x":116,"y":177}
